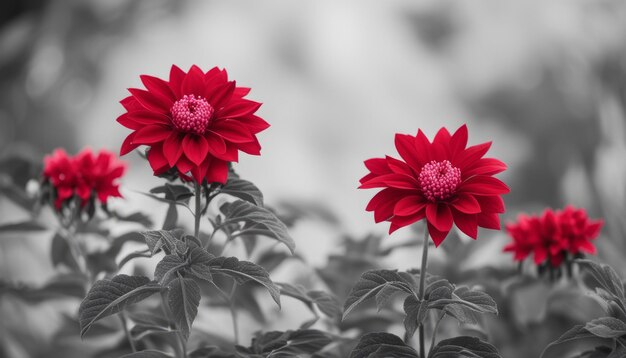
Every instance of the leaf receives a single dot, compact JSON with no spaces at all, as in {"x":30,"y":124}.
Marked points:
{"x":167,"y":268}
{"x":606,"y":327}
{"x":133,"y":255}
{"x":211,"y":352}
{"x":464,"y":302}
{"x":118,"y":242}
{"x":244,"y":271}
{"x":199,"y":260}
{"x":416,"y":311}
{"x":60,"y":252}
{"x":575,"y":333}
{"x":61,"y":286}
{"x":174,"y":193}
{"x":171,"y":217}
{"x":256,"y":220}
{"x":244,"y":190}
{"x":164,"y":239}
{"x":22,"y":226}
{"x":147,"y":354}
{"x":606,"y":277}
{"x":108,"y":297}
{"x":183,"y":299}
{"x":370,"y":283}
{"x":382,"y":345}
{"x":325,"y":302}
{"x":277,"y":344}
{"x":464,"y":346}
{"x":136,"y":217}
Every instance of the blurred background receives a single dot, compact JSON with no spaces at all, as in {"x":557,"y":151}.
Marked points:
{"x":543,"y":80}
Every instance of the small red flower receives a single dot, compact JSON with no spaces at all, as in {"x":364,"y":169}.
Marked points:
{"x":442,"y":181}
{"x":552,"y":235}
{"x":196,"y":122}
{"x":84,"y":175}
{"x":538,"y":235}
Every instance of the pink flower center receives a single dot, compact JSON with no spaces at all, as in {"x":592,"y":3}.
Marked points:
{"x":192,"y":114}
{"x":439,"y":180}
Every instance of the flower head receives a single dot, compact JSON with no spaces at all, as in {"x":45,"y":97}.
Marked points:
{"x":443,"y":181}
{"x":551,"y":236}
{"x":195,"y":123}
{"x":86,"y":176}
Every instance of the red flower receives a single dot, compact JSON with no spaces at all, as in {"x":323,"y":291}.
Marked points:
{"x":442,"y":181}
{"x":196,"y":122}
{"x":539,"y":235}
{"x":552,"y":235}
{"x":578,"y":230}
{"x":84,"y":175}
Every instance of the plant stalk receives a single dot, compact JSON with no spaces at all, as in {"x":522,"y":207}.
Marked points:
{"x":422,"y":288}
{"x":126,"y":332}
{"x":198,"y":210}
{"x":170,"y":317}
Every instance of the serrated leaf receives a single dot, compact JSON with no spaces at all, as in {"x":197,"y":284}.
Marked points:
{"x":118,"y":242}
{"x":183,"y":299}
{"x":464,"y":346}
{"x":575,"y":333}
{"x":244,"y":271}
{"x":199,"y":260}
{"x":171,"y":217}
{"x":164,"y":239}
{"x":147,"y":354}
{"x":382,"y":345}
{"x":134,"y":255}
{"x":167,"y":268}
{"x":464,"y":303}
{"x":416,"y":311}
{"x":606,"y":327}
{"x":173,"y":192}
{"x":136,"y":217}
{"x":107,"y":297}
{"x":211,"y":352}
{"x":324,"y":301}
{"x":244,"y":190}
{"x":60,"y":252}
{"x":370,"y":283}
{"x":257,"y":220}
{"x":606,"y":277}
{"x":277,"y":344}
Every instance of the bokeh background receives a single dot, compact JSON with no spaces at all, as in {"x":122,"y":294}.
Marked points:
{"x":543,"y":80}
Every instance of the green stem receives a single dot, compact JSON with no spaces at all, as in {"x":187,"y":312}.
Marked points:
{"x":198,"y":210}
{"x":423,"y":287}
{"x":231,"y":306}
{"x":126,"y":332}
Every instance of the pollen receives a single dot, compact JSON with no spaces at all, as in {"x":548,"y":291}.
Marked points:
{"x":439,"y":180}
{"x":192,"y":114}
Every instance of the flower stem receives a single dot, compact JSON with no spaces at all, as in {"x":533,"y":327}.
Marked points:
{"x":229,"y":299}
{"x":170,"y":317}
{"x":198,"y":210}
{"x":432,"y":341}
{"x":126,"y":332}
{"x":423,"y":287}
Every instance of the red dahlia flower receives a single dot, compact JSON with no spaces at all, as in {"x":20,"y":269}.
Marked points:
{"x":84,"y":175}
{"x":196,"y":122}
{"x":442,"y":181}
{"x":552,"y":235}
{"x":539,"y":235}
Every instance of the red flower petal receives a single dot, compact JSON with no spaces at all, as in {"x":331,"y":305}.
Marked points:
{"x":409,"y":205}
{"x":217,"y":172}
{"x":489,"y":221}
{"x":176,"y":80}
{"x":252,"y":148}
{"x":217,"y":97}
{"x":467,"y":223}
{"x":398,"y":166}
{"x":148,"y":118}
{"x":128,"y":122}
{"x":254,"y":123}
{"x":405,"y":145}
{"x":436,"y":235}
{"x":377,"y":166}
{"x":392,"y":180}
{"x":483,"y":185}
{"x":398,"y":222}
{"x":471,"y":154}
{"x":157,"y":86}
{"x":232,"y":131}
{"x":196,"y":148}
{"x":151,"y":101}
{"x":238,"y":109}
{"x":458,"y":142}
{"x":440,"y":216}
{"x":491,"y":204}
{"x":151,"y":134}
{"x":466,"y":203}
{"x":173,"y":148}
{"x":485,"y":166}
{"x":193,"y":83}
{"x":217,"y":146}
{"x":157,"y":160}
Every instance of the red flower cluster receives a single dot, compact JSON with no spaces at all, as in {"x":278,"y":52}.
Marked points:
{"x":553,"y":234}
{"x":83,"y":175}
{"x":196,"y":122}
{"x":443,"y":181}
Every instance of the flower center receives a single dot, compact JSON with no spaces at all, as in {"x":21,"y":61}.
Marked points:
{"x":438,"y":180}
{"x":192,"y":114}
